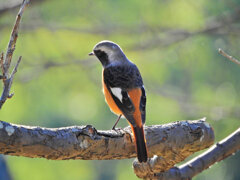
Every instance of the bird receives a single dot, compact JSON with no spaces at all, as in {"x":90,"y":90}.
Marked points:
{"x":123,"y":90}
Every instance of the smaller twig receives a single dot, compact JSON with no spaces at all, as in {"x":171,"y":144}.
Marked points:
{"x":1,"y":67}
{"x":8,"y":83}
{"x":5,"y":63}
{"x":231,"y":58}
{"x":13,"y":39}
{"x":1,"y":63}
{"x":12,"y":76}
{"x":15,"y":68}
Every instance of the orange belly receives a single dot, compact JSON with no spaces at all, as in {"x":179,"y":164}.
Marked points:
{"x":111,"y":103}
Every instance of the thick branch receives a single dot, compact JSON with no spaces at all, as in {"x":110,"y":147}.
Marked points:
{"x":161,"y":163}
{"x":175,"y":141}
{"x":216,"y":153}
{"x":5,"y":63}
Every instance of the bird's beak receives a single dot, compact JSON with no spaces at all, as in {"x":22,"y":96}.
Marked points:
{"x":91,"y":54}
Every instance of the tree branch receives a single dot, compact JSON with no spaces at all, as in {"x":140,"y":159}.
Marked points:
{"x":228,"y":56}
{"x":174,"y":141}
{"x":216,"y":153}
{"x":5,"y":63}
{"x":160,"y":163}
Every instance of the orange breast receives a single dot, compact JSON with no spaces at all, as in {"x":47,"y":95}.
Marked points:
{"x":111,"y":103}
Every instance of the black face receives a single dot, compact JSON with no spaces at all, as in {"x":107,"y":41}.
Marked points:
{"x":102,"y":56}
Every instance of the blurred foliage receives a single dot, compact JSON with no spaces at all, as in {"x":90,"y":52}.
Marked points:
{"x":57,"y":84}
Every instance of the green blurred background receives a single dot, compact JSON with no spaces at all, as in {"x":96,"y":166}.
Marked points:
{"x":174,"y":43}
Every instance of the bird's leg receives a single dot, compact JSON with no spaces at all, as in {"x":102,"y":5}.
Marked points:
{"x":113,"y":128}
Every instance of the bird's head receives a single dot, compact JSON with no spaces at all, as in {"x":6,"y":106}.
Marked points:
{"x":108,"y":52}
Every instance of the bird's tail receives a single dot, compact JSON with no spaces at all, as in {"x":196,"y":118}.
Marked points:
{"x":140,"y":143}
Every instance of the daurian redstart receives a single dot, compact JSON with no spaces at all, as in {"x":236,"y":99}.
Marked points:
{"x":123,"y":90}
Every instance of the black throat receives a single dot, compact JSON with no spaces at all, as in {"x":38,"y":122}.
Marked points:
{"x":102,"y":56}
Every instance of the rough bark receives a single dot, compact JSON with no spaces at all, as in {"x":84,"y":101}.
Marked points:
{"x":174,"y":141}
{"x":159,"y":163}
{"x":216,"y":153}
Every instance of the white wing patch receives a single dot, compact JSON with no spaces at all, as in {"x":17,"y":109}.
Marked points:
{"x":117,"y":92}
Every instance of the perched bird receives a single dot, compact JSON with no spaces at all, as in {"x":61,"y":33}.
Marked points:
{"x":124,"y":91}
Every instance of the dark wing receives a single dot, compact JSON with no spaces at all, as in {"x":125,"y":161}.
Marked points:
{"x":125,"y":78}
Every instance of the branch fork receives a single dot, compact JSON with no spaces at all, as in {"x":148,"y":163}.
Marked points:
{"x":5,"y":63}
